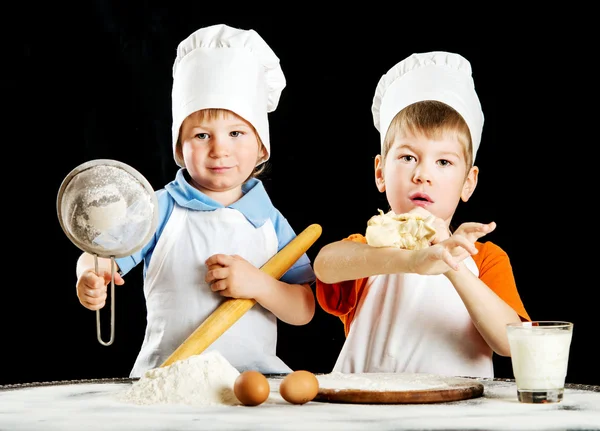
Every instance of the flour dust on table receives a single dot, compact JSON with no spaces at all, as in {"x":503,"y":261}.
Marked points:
{"x":92,"y":406}
{"x":381,"y":381}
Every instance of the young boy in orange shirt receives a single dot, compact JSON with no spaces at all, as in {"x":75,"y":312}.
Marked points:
{"x":441,"y":309}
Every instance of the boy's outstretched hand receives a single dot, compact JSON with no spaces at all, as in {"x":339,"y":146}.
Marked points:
{"x":473,"y":231}
{"x":233,"y":276}
{"x":445,"y":255}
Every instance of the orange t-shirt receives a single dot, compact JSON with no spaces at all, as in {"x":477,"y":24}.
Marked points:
{"x":341,"y":299}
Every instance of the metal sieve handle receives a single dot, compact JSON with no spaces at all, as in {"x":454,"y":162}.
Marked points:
{"x":112,"y":304}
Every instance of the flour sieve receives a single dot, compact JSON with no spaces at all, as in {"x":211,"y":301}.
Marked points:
{"x":108,"y":209}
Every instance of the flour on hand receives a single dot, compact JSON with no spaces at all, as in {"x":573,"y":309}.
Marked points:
{"x":409,"y":231}
{"x":206,"y":379}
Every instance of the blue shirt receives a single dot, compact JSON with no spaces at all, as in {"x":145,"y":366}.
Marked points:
{"x":255,"y":205}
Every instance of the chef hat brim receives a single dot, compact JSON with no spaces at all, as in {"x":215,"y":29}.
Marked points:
{"x":442,"y":76}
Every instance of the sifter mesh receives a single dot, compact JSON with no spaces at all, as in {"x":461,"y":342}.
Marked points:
{"x":107,"y":208}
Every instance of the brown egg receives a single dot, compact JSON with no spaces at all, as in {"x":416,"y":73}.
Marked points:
{"x":251,"y":388}
{"x":299,"y":387}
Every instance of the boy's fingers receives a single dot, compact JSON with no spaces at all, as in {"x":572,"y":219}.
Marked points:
{"x":218,"y":286}
{"x":107,"y":276}
{"x":218,"y":259}
{"x":484,"y":230}
{"x":94,"y":307}
{"x":449,"y":260}
{"x":95,"y":292}
{"x":217,"y":273}
{"x":463,"y":242}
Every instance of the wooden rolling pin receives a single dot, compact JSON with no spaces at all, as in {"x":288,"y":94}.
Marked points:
{"x":232,"y":309}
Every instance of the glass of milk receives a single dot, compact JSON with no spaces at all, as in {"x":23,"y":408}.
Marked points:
{"x":540,"y":356}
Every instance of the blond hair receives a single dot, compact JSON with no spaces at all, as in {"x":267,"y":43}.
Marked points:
{"x":431,"y":119}
{"x":216,"y":114}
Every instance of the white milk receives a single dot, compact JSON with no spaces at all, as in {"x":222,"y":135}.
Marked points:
{"x":540,"y":357}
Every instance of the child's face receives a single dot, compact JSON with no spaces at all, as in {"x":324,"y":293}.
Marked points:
{"x":219,"y":153}
{"x":427,"y":173}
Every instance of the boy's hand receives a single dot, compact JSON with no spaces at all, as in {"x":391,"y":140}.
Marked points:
{"x":473,"y":231}
{"x":91,"y":288}
{"x":233,"y":276}
{"x":442,"y":257}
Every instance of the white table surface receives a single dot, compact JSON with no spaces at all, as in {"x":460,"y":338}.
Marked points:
{"x":92,"y":405}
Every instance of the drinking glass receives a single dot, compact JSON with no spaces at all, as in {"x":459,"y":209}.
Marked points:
{"x":540,"y":356}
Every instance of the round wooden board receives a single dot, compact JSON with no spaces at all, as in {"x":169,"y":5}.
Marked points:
{"x":429,"y":389}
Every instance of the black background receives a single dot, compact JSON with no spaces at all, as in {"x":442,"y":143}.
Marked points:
{"x":82,"y":83}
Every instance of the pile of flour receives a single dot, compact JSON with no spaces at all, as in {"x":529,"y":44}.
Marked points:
{"x":200,"y":380}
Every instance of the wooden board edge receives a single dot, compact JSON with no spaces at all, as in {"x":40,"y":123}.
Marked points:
{"x":427,"y":396}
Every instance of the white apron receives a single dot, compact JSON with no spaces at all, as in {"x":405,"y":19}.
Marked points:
{"x":178,"y":299}
{"x":415,"y":324}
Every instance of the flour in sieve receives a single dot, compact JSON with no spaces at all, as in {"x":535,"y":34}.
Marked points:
{"x":107,"y":209}
{"x":200,"y":380}
{"x":110,"y":214}
{"x":380,"y":381}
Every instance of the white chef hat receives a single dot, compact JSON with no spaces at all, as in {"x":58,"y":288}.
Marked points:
{"x":228,"y":68}
{"x":442,"y":76}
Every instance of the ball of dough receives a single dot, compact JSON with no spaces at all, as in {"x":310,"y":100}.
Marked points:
{"x":408,"y":231}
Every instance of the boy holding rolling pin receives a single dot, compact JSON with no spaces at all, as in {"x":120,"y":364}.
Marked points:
{"x":217,"y":225}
